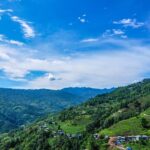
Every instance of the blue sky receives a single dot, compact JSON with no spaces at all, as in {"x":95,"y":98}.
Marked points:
{"x":55,"y":44}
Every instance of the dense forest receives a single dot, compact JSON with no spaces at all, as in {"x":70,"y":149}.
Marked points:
{"x":20,"y":107}
{"x":74,"y":128}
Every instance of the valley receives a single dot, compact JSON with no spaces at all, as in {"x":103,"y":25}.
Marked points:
{"x":21,"y":107}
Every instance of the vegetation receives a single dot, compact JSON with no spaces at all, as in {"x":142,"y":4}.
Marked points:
{"x":138,"y":125}
{"x":115,"y":113}
{"x":142,"y":145}
{"x":20,"y":107}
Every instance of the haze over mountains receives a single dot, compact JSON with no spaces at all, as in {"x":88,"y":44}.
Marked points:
{"x":19,"y":107}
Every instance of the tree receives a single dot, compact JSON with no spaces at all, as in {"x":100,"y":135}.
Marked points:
{"x":145,"y":123}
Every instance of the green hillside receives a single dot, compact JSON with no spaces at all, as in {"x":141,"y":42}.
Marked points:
{"x":124,"y":111}
{"x":20,"y":107}
{"x":139,"y":125}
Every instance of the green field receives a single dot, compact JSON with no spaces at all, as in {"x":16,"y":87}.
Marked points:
{"x":75,"y":126}
{"x":130,"y":126}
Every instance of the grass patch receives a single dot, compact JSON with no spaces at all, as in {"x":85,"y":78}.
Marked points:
{"x":69,"y":128}
{"x":130,"y":126}
{"x":126,"y":127}
{"x":75,"y":126}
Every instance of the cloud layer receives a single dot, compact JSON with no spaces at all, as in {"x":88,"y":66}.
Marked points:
{"x":128,"y":63}
{"x":92,"y":50}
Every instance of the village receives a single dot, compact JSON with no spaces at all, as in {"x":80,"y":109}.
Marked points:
{"x":118,"y":141}
{"x":113,"y":141}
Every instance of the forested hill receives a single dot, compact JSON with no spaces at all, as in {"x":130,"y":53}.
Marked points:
{"x":19,"y":107}
{"x":74,"y":128}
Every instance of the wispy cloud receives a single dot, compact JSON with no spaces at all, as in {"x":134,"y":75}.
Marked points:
{"x":118,"y":32}
{"x":26,"y":27}
{"x":108,"y":33}
{"x":89,"y":40}
{"x":114,"y":32}
{"x":129,"y":23}
{"x":4,"y":39}
{"x":83,"y":19}
{"x":5,"y":11}
{"x":14,"y":42}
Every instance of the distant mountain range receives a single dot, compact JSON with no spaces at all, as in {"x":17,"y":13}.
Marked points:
{"x":85,"y":92}
{"x":19,"y":107}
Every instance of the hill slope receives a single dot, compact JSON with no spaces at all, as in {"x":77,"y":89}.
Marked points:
{"x":139,"y":125}
{"x":19,"y":107}
{"x":73,"y":128}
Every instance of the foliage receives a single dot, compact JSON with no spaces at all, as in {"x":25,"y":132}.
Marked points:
{"x":114,"y":113}
{"x":20,"y":107}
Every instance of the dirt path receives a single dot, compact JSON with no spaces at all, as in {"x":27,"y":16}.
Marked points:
{"x":112,"y":141}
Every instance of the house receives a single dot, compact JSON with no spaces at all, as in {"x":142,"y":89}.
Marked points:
{"x":79,"y":136}
{"x":117,"y":142}
{"x":137,"y":138}
{"x":69,"y":135}
{"x":132,"y":138}
{"x":60,"y":132}
{"x":96,"y":136}
{"x":44,"y":126}
{"x":121,"y":139}
{"x":106,"y":137}
{"x":145,"y":137}
{"x":73,"y":135}
{"x":128,"y":148}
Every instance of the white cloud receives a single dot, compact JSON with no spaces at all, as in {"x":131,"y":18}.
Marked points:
{"x":16,"y":42}
{"x":90,"y":40}
{"x":4,"y":55}
{"x":118,"y":32}
{"x":4,"y":39}
{"x":114,"y":32}
{"x":97,"y":69}
{"x":51,"y":77}
{"x":106,"y":34}
{"x":130,"y":23}
{"x":27,"y":29}
{"x":5,"y":11}
{"x":83,"y":19}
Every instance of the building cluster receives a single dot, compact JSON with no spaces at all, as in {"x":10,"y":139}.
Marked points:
{"x":121,"y":139}
{"x":61,"y":132}
{"x":55,"y":133}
